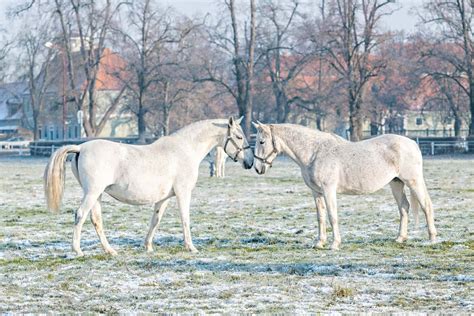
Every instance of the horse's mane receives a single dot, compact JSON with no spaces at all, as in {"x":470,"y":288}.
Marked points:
{"x":196,"y":126}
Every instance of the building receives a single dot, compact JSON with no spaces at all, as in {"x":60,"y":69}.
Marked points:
{"x":59,"y":116}
{"x":11,"y":110}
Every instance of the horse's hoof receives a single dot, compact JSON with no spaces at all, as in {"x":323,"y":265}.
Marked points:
{"x":319,"y":245}
{"x":335,"y":246}
{"x":401,"y":239}
{"x":79,"y":254}
{"x":433,"y":239}
{"x":192,"y":249}
{"x":111,"y":252}
{"x":148,"y":248}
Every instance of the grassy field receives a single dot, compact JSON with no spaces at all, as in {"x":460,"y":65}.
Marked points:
{"x":255,"y":235}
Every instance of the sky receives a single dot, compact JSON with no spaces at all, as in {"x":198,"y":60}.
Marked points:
{"x":400,"y":20}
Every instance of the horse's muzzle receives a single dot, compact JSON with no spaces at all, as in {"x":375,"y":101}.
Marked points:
{"x":248,"y":165}
{"x":261,"y":171}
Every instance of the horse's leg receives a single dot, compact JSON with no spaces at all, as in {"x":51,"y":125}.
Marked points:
{"x":331,"y":204}
{"x":184,"y":201}
{"x":88,"y":202}
{"x":403,"y":206}
{"x":223,"y":166}
{"x":321,"y":210}
{"x":160,"y":208}
{"x":418,"y":189}
{"x":222,"y":163}
{"x":96,"y":218}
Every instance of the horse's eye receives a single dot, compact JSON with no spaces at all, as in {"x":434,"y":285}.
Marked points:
{"x":238,"y":136}
{"x":262,"y":141}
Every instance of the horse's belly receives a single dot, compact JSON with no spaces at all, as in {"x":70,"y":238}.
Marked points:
{"x":358,"y":190}
{"x":364,"y":185}
{"x":137,"y":196}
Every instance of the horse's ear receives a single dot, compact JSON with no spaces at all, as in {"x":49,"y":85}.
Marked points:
{"x":231,"y":121}
{"x":239,"y":120}
{"x":256,"y":125}
{"x":263,"y":127}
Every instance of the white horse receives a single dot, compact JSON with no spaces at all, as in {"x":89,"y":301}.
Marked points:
{"x":330,"y":165}
{"x":220,"y":159}
{"x":148,"y":174}
{"x":217,"y":158}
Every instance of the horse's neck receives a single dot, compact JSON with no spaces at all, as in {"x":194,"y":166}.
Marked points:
{"x":202,"y":137}
{"x":297,"y":145}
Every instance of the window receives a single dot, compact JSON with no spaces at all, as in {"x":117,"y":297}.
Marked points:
{"x":419,"y":121}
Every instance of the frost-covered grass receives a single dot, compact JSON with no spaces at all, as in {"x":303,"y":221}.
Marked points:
{"x":255,"y":235}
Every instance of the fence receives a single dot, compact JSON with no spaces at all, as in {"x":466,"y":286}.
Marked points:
{"x":15,"y":148}
{"x":439,"y":147}
{"x":414,"y":133}
{"x":46,"y":148}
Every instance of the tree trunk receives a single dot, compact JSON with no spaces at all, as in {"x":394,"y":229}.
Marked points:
{"x":319,"y":122}
{"x":85,"y":123}
{"x":166,"y":110}
{"x":457,"y":125}
{"x":471,"y":103}
{"x":355,"y":119}
{"x":141,"y":124}
{"x":374,"y":128}
{"x":166,"y":121}
{"x":355,"y":128}
{"x":283,"y":110}
{"x":36,"y":135}
{"x":247,"y":121}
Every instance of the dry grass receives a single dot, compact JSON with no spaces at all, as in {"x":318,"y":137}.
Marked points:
{"x":255,"y":235}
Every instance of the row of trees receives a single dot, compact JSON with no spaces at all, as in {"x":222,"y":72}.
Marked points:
{"x":277,"y":61}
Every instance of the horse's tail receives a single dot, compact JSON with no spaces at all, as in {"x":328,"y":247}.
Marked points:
{"x":415,"y":206}
{"x":54,"y":176}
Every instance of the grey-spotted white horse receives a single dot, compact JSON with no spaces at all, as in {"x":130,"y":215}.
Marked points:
{"x":330,"y":165}
{"x":138,"y":175}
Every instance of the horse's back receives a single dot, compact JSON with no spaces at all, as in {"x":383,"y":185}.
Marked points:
{"x":368,"y":165}
{"x":397,"y":149}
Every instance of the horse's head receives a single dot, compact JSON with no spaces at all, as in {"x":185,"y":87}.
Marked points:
{"x":236,"y":145}
{"x":265,"y":148}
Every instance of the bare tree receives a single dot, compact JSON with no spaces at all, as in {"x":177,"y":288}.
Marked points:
{"x":5,"y":46}
{"x":453,"y":44}
{"x":449,"y":100}
{"x":353,"y":38}
{"x":175,"y":85}
{"x":284,"y":60}
{"x":237,"y":81}
{"x":36,"y":61}
{"x":90,"y":22}
{"x":152,"y":41}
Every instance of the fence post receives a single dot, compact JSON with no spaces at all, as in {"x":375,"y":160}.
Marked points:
{"x":432,"y":148}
